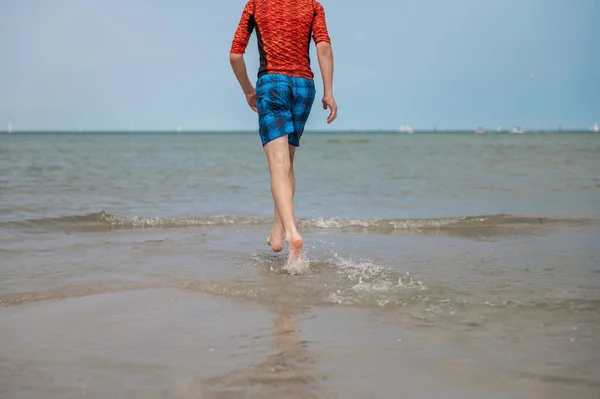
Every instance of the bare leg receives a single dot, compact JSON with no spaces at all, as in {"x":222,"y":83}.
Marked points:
{"x":280,"y":167}
{"x":275,"y":239}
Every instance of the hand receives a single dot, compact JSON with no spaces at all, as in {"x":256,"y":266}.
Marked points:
{"x":251,"y":99}
{"x":329,"y":102}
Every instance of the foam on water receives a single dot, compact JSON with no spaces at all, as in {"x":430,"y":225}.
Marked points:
{"x":104,"y":220}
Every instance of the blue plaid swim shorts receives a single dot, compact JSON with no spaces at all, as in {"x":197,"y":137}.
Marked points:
{"x":284,"y":104}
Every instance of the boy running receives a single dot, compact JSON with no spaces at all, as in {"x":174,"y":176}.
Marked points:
{"x":284,"y":93}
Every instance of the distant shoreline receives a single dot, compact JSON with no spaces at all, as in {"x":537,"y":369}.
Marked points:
{"x":237,"y":132}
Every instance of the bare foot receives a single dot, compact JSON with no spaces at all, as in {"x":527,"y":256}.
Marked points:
{"x":275,"y":240}
{"x":295,"y":245}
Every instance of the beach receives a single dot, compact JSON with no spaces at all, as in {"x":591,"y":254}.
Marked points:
{"x":441,"y":265}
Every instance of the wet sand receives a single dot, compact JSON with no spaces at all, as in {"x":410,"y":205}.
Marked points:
{"x":167,"y":343}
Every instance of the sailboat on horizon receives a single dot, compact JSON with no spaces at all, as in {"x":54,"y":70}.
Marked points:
{"x":9,"y":128}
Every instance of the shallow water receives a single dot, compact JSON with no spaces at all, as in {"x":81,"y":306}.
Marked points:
{"x":440,"y":265}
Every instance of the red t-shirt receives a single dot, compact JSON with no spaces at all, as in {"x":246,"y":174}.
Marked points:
{"x":283,"y":30}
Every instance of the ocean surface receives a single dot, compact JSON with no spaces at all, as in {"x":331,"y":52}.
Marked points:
{"x":440,"y":266}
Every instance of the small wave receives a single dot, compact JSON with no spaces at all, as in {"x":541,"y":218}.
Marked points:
{"x":109,"y":221}
{"x":104,"y":220}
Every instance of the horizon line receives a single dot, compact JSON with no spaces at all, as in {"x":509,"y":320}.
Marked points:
{"x":246,"y":131}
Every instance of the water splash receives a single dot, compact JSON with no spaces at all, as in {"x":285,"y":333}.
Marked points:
{"x":371,"y":277}
{"x":298,"y":267}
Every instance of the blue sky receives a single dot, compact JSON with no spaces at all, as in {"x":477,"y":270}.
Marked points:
{"x":149,"y":64}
